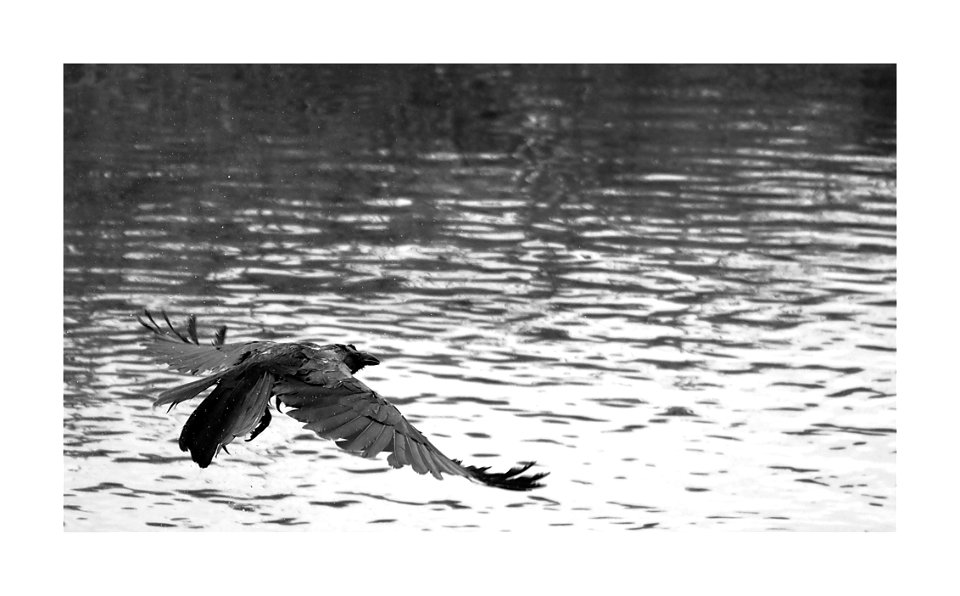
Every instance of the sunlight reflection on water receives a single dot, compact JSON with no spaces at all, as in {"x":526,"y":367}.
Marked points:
{"x":549,"y":267}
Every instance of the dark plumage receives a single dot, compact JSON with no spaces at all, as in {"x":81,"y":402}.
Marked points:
{"x":316,"y":382}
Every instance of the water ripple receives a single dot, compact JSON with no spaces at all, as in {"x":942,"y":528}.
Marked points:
{"x":563,"y":265}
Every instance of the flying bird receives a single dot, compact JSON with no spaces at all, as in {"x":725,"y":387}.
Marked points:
{"x":316,"y":383}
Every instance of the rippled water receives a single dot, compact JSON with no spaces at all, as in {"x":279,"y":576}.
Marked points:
{"x":552,"y":263}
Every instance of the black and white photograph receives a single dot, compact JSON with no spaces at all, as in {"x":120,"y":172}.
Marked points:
{"x":500,"y":297}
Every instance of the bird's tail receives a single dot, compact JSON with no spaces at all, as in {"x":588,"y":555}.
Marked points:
{"x":236,"y":407}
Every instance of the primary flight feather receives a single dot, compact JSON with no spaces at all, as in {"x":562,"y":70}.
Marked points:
{"x":316,"y":382}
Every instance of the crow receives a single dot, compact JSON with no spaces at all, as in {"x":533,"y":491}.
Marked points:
{"x":316,"y":383}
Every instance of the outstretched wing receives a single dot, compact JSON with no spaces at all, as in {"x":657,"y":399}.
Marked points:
{"x":184,"y":353}
{"x":337,"y":406}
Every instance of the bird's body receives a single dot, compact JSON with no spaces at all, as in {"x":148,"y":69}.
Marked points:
{"x":316,"y":382}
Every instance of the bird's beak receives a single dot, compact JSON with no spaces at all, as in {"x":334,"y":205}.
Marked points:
{"x":368,"y":359}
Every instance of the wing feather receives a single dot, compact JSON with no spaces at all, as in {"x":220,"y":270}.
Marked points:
{"x":427,"y":457}
{"x":416,"y":460}
{"x":325,"y":425}
{"x":364,"y":438}
{"x":190,"y":358}
{"x":313,"y":413}
{"x":183,"y":392}
{"x":361,"y":421}
{"x":398,"y":458}
{"x":296,"y":393}
{"x":380,"y":444}
{"x":183,"y":353}
{"x":348,"y":429}
{"x":251,"y":409}
{"x":447,"y":466}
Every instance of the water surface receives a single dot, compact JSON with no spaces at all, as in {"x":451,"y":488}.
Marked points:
{"x":552,"y":263}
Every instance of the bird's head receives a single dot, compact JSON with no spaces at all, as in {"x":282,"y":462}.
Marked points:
{"x":355,"y":359}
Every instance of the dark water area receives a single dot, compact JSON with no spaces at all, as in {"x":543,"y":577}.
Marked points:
{"x":673,"y":287}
